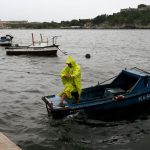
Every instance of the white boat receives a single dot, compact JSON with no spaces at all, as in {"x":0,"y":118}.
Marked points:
{"x":40,"y":48}
{"x":6,"y":40}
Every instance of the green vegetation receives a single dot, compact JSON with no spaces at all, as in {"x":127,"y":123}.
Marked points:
{"x":35,"y":25}
{"x":130,"y":18}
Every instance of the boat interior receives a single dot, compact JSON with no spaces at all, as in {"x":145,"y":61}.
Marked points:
{"x":122,"y":84}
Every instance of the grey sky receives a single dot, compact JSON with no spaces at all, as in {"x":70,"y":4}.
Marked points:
{"x":62,"y":10}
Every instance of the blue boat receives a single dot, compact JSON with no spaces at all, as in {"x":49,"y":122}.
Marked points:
{"x":129,"y":90}
{"x":6,"y":40}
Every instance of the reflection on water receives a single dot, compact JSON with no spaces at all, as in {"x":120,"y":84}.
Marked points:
{"x":23,"y":115}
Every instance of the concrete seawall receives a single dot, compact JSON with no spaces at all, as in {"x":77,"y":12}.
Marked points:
{"x":7,"y":144}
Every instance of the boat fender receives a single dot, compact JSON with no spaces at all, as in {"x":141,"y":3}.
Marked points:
{"x":119,"y":97}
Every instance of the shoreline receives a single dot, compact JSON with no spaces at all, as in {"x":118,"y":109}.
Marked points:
{"x":67,"y":28}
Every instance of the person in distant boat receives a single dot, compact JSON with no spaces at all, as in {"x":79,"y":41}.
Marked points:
{"x":71,"y":79}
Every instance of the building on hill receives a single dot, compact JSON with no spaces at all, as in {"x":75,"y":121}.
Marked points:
{"x":140,"y":7}
{"x":143,"y":7}
{"x":5,"y":24}
{"x":127,"y":9}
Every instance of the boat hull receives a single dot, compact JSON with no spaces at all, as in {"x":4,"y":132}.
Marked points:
{"x":52,"y":51}
{"x":97,"y":112}
{"x":5,"y":43}
{"x":104,"y":108}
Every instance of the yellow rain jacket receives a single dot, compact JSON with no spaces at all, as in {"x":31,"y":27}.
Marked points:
{"x":72,"y":83}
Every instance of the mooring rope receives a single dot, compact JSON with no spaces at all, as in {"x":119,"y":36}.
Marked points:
{"x":42,"y":73}
{"x":65,"y":53}
{"x":29,"y":72}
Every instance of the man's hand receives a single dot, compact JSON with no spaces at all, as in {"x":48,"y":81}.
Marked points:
{"x":67,"y":76}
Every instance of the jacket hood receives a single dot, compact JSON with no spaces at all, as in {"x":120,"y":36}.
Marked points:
{"x":71,"y":61}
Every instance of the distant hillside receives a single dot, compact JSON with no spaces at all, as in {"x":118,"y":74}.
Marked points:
{"x":130,"y":18}
{"x":126,"y":18}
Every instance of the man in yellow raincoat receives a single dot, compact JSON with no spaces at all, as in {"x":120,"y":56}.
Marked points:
{"x":71,"y":79}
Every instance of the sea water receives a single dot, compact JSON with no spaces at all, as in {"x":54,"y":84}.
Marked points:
{"x":25,"y":79}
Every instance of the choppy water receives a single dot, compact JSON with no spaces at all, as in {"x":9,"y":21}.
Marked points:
{"x":23,"y":116}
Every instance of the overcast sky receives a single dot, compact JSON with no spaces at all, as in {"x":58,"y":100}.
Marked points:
{"x":62,"y":10}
